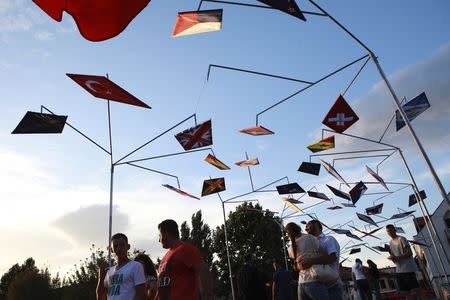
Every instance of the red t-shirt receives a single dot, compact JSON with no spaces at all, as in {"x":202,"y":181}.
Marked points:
{"x":177,"y":280}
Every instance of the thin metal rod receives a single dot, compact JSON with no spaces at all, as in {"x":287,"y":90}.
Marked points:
{"x":362,"y":138}
{"x":254,"y":72}
{"x":307,"y":87}
{"x":390,"y":122}
{"x":226,"y":246}
{"x":351,"y":152}
{"x":156,"y":171}
{"x":111,"y":183}
{"x":153,"y":139}
{"x":79,"y":132}
{"x":200,"y":5}
{"x":249,"y":173}
{"x":257,"y":190}
{"x":162,"y":156}
{"x":356,"y":76}
{"x":358,"y":157}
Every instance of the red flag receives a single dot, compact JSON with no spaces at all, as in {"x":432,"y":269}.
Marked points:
{"x":97,"y":20}
{"x":102,"y":87}
{"x":179,"y":191}
{"x":341,"y":116}
{"x":248,"y":162}
{"x":257,"y":130}
{"x":193,"y":22}
{"x":196,"y":137}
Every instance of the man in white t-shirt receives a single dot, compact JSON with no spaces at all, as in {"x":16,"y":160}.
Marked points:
{"x":360,"y":282}
{"x":125,"y":280}
{"x":405,"y":266}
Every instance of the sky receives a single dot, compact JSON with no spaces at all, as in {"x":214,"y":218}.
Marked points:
{"x":54,"y":189}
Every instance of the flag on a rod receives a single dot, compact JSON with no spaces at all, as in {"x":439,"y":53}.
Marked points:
{"x":196,"y":137}
{"x":324,"y":144}
{"x":291,"y":188}
{"x":353,"y":236}
{"x":399,"y":230}
{"x":248,"y":162}
{"x":334,"y":207}
{"x":179,"y":191}
{"x":355,"y":250}
{"x":402,"y":215}
{"x":102,"y":87}
{"x":211,"y":186}
{"x":333,"y":172}
{"x":377,"y":177}
{"x":310,"y":168}
{"x":375,"y":210}
{"x":413,"y":199}
{"x":366,"y":219}
{"x":257,"y":130}
{"x":340,"y":116}
{"x":293,"y":206}
{"x":412,"y":109}
{"x":34,"y":122}
{"x":292,"y":200}
{"x":357,"y":191}
{"x":318,"y":195}
{"x":211,"y":159}
{"x":288,"y":6}
{"x":348,"y":204}
{"x":339,"y":193}
{"x":340,"y":231}
{"x":193,"y":22}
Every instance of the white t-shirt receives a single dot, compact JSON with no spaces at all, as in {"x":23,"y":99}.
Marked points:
{"x":121,"y":282}
{"x":357,"y":269}
{"x":330,"y":245}
{"x":307,"y":246}
{"x":406,"y":265}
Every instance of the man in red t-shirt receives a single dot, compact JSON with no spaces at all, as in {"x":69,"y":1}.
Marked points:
{"x":183,"y":274}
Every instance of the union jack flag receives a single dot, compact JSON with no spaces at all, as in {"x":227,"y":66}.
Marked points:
{"x":196,"y":137}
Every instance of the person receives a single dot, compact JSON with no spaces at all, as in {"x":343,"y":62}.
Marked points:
{"x":281,"y":282}
{"x":183,"y":274}
{"x":329,"y":255}
{"x":360,"y":282}
{"x":374,"y":278}
{"x":304,"y":245}
{"x":405,"y":266}
{"x":249,"y":282}
{"x":126,"y":279}
{"x":151,"y":276}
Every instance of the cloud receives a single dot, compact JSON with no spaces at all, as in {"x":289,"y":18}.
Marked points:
{"x":44,"y":36}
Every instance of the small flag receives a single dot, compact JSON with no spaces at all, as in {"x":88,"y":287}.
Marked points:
{"x":34,"y":122}
{"x":357,"y":191}
{"x":340,"y":231}
{"x":348,"y":204}
{"x":340,"y":116}
{"x":353,"y":236}
{"x":293,"y":206}
{"x":318,"y":195}
{"x":366,"y":219}
{"x":179,"y":191}
{"x":216,"y":162}
{"x":355,"y":250}
{"x":399,"y":230}
{"x":248,"y":162}
{"x":196,"y":137}
{"x":293,"y":201}
{"x":339,"y":193}
{"x":413,"y":199}
{"x":257,"y":130}
{"x":102,"y":87}
{"x":212,"y":186}
{"x":402,"y":215}
{"x":288,"y":6}
{"x":310,"y":168}
{"x":374,"y":210}
{"x":193,"y":22}
{"x":333,"y":172}
{"x":334,"y":207}
{"x":412,"y":109}
{"x":377,"y":177}
{"x":325,"y":144}
{"x":291,"y":188}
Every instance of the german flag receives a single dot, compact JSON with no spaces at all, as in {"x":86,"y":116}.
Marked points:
{"x":322,"y":145}
{"x":193,"y":22}
{"x":216,"y":162}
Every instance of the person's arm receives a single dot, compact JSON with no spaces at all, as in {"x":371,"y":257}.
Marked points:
{"x":274,"y":288}
{"x":355,"y":285}
{"x":205,"y":280}
{"x":101,"y":289}
{"x":322,"y":259}
{"x":140,"y":292}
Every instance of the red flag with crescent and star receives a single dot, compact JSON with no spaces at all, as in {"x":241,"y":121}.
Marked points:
{"x":340,"y":116}
{"x":102,"y":87}
{"x":196,"y":137}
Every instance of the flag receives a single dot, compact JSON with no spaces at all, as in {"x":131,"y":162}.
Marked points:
{"x":334,"y":207}
{"x":339,"y":193}
{"x":399,"y":230}
{"x":357,"y":191}
{"x":102,"y":87}
{"x":293,"y":206}
{"x":333,"y":172}
{"x":370,"y":233}
{"x":288,"y":6}
{"x":257,"y":130}
{"x":291,"y":188}
{"x":375,"y":210}
{"x":325,"y":144}
{"x":211,"y":186}
{"x":318,"y":195}
{"x":310,"y":168}
{"x":248,"y":162}
{"x":341,"y":231}
{"x":353,"y":236}
{"x":340,"y":116}
{"x":377,"y":177}
{"x":402,"y":215}
{"x":216,"y":162}
{"x":193,"y":22}
{"x":96,"y":20}
{"x":34,"y":122}
{"x":413,"y":199}
{"x":348,"y":204}
{"x":412,"y":109}
{"x":292,"y":200}
{"x":179,"y":191}
{"x":355,"y":250}
{"x":196,"y":137}
{"x":366,"y":219}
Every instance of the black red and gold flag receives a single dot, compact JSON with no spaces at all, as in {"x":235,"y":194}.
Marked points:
{"x":34,"y":122}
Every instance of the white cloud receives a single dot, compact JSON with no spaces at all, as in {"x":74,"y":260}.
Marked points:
{"x":44,"y":36}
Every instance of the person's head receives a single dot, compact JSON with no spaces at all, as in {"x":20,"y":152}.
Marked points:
{"x":371,"y":264}
{"x":120,"y":246}
{"x":391,"y":231}
{"x":277,"y":264}
{"x":293,"y":230}
{"x":147,"y":263}
{"x":358,"y":261}
{"x":314,"y":227}
{"x":168,"y":233}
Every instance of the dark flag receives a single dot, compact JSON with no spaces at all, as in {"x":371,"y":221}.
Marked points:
{"x":34,"y":122}
{"x":293,"y":201}
{"x":334,"y":207}
{"x":366,"y":219}
{"x":341,"y":231}
{"x":355,"y":250}
{"x":340,"y":116}
{"x":333,"y":172}
{"x":374,"y":210}
{"x":193,"y":22}
{"x":212,"y":186}
{"x":413,"y":199}
{"x":402,"y":215}
{"x":211,"y":159}
{"x":291,"y":188}
{"x":357,"y":191}
{"x":196,"y":137}
{"x":339,"y":193}
{"x":377,"y":177}
{"x":287,"y":6}
{"x":310,"y":168}
{"x":412,"y":109}
{"x":318,"y":195}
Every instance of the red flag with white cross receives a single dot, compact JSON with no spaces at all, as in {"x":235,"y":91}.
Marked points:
{"x":341,"y":116}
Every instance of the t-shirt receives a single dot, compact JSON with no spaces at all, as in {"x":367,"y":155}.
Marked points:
{"x":357,"y":269}
{"x":307,"y":246}
{"x":177,"y":279}
{"x":121,"y":282}
{"x":406,"y":265}
{"x":282,"y":280}
{"x":330,"y":245}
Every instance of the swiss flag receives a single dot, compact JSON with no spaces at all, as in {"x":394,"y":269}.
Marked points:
{"x":341,"y":116}
{"x":97,"y":20}
{"x":102,"y":87}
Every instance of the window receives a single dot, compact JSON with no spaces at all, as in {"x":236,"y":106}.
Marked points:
{"x":391,"y":284}
{"x":382,"y":284}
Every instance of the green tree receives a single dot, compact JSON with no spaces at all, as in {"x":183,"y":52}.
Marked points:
{"x":31,"y":284}
{"x":13,"y":272}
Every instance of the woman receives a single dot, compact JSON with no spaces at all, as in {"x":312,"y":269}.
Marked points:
{"x":150,"y":275}
{"x":309,"y":288}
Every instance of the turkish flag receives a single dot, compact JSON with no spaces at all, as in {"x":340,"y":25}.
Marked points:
{"x":97,"y":20}
{"x":340,"y":116}
{"x":102,"y":87}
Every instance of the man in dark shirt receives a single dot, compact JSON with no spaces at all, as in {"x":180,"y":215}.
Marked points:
{"x":281,"y":285}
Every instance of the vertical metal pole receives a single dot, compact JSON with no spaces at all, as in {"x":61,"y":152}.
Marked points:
{"x":411,"y":131}
{"x":111,"y":185}
{"x":228,"y":252}
{"x":284,"y":246}
{"x":250,"y":173}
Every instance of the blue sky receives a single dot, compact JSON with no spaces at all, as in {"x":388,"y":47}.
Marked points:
{"x":55,"y":188}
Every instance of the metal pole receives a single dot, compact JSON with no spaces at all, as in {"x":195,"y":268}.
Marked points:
{"x":284,"y":246}
{"x":411,"y":131}
{"x":111,"y":185}
{"x":228,"y":252}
